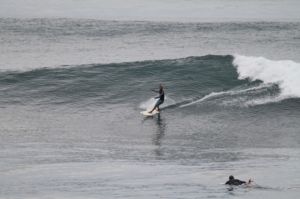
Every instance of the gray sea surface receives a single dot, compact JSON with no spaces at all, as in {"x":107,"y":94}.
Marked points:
{"x":74,"y":81}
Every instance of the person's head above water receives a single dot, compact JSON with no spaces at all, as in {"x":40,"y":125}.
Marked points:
{"x":231,"y":177}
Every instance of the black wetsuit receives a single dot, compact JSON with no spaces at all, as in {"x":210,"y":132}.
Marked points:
{"x":235,"y":182}
{"x":161,"y":98}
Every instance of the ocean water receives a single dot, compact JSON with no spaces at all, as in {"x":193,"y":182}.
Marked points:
{"x":71,"y":92}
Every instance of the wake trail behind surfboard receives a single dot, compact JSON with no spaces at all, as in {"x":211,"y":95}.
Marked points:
{"x":213,"y":95}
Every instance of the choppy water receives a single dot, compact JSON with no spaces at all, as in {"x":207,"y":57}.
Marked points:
{"x":71,"y":92}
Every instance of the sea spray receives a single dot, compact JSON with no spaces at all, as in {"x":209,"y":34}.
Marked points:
{"x":149,"y":104}
{"x":284,"y":73}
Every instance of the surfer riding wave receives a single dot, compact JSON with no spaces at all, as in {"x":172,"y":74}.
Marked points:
{"x":160,"y":97}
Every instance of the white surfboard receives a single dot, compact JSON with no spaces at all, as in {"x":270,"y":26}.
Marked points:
{"x":146,"y":113}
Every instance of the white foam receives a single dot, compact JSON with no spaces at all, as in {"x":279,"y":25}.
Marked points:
{"x":213,"y":94}
{"x":148,"y":104}
{"x":284,"y":73}
{"x":225,"y":93}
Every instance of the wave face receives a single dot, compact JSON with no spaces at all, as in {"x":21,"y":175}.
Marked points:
{"x":213,"y":79}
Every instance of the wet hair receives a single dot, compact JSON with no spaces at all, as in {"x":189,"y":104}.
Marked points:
{"x":231,"y":177}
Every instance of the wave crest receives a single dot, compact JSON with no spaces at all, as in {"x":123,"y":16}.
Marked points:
{"x":284,"y":73}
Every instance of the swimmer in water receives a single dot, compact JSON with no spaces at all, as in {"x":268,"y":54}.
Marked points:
{"x":236,"y":182}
